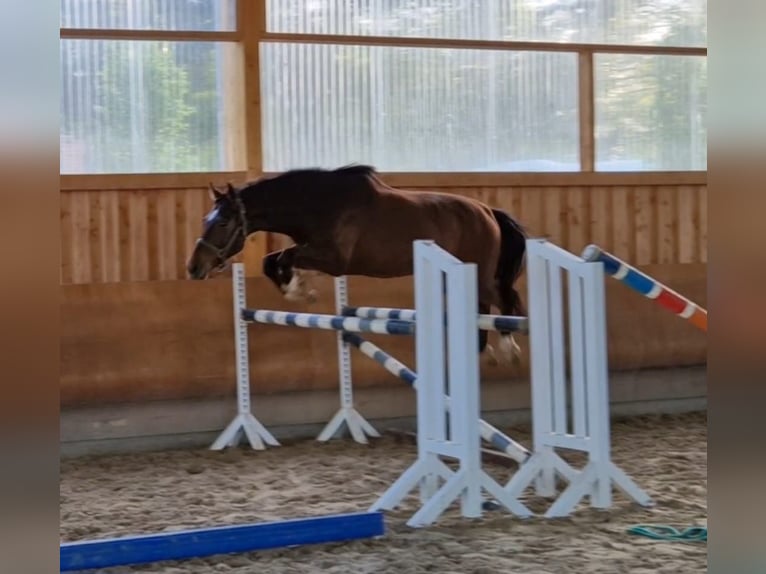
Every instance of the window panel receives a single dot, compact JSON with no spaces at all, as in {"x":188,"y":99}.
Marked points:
{"x":651,"y":112}
{"x":416,"y":109}
{"x":648,"y":22}
{"x":198,"y":15}
{"x":141,"y":107}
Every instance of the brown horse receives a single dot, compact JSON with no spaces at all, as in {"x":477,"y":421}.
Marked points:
{"x":348,"y":222}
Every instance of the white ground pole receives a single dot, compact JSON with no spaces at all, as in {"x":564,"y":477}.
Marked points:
{"x":356,"y":423}
{"x":446,"y":429}
{"x":244,"y":422}
{"x":589,"y":429}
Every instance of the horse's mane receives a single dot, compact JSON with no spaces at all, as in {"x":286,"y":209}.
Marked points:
{"x":331,"y":177}
{"x":346,"y":170}
{"x":360,"y":181}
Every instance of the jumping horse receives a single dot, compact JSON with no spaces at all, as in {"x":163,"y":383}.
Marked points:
{"x":346,"y":221}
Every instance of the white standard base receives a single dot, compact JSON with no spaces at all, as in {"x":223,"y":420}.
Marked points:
{"x":461,"y":484}
{"x":247,"y":424}
{"x":595,"y":481}
{"x":357,"y":425}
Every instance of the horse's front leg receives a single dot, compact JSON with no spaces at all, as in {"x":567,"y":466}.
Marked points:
{"x":300,"y":288}
{"x":279,"y":267}
{"x":311,"y":259}
{"x":274,"y":269}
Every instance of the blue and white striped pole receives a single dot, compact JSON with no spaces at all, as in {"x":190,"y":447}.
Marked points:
{"x":486,"y":322}
{"x":330,"y":322}
{"x":392,"y":365}
{"x":489,"y":433}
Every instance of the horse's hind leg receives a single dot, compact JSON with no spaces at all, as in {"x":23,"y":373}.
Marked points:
{"x":484,"y":346}
{"x":510,"y":304}
{"x":488,"y":296}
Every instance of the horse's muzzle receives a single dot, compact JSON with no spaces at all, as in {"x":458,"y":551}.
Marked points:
{"x":196,"y":272}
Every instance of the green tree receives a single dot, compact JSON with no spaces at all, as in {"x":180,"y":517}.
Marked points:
{"x":145,"y":113}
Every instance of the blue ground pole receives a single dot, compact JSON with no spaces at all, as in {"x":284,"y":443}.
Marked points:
{"x":198,"y":543}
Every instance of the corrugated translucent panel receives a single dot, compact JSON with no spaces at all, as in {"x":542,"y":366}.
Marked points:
{"x":137,"y":107}
{"x":199,"y":15}
{"x":655,"y":22}
{"x":651,"y":112}
{"x":416,"y":109}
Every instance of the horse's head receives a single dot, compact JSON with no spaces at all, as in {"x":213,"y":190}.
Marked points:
{"x":224,"y":230}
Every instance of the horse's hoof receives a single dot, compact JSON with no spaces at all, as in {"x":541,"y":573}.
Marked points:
{"x":491,"y":357}
{"x":510,"y":350}
{"x":312,"y":296}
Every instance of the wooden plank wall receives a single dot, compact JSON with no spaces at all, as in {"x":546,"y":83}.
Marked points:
{"x":144,"y":235}
{"x":167,"y":340}
{"x":128,"y":235}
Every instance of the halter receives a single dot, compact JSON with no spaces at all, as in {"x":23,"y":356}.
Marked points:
{"x":221,"y":253}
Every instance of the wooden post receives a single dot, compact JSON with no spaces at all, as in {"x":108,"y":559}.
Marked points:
{"x":251,"y":26}
{"x":585,"y":76}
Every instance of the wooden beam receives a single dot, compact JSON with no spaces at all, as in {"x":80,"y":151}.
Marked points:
{"x":147,"y":35}
{"x":128,"y":182}
{"x":256,"y":6}
{"x":146,"y":181}
{"x":233,"y":103}
{"x":586,"y":112}
{"x":416,"y":42}
{"x":543,"y":179}
{"x":251,"y":23}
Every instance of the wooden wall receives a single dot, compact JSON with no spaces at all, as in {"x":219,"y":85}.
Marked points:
{"x":128,"y":235}
{"x":124,"y":247}
{"x":112,"y":235}
{"x":168,"y":340}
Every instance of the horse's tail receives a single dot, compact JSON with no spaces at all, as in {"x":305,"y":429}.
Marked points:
{"x":512,"y":249}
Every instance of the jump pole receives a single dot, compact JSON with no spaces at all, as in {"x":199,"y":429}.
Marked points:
{"x":649,"y":287}
{"x":329,"y":322}
{"x":490,"y":434}
{"x":485,"y":322}
{"x":202,"y":542}
{"x":493,"y":436}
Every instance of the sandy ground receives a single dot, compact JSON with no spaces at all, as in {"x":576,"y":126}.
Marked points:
{"x":144,"y":493}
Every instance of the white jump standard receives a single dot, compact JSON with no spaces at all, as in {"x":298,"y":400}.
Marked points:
{"x":446,"y":428}
{"x":358,"y":426}
{"x":589,"y":381}
{"x":244,"y":422}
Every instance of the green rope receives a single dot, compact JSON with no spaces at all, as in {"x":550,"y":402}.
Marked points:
{"x":661,"y":532}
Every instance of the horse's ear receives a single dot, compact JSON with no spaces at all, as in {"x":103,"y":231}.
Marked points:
{"x":229,"y":188}
{"x":215,"y":195}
